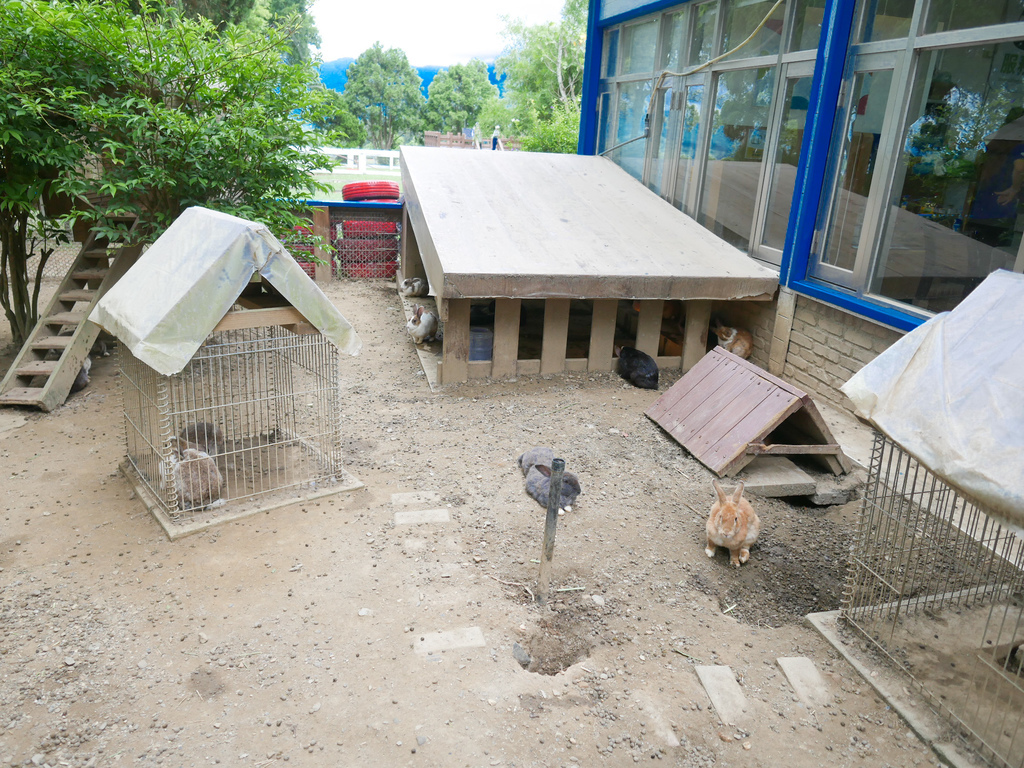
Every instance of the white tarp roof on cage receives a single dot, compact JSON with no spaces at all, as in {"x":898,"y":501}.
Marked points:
{"x":951,"y":393}
{"x":165,"y":306}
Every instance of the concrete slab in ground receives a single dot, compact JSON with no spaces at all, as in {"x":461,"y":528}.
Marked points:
{"x":724,"y":692}
{"x":416,"y":499}
{"x":11,"y":420}
{"x":417,"y":516}
{"x":434,"y":642}
{"x":775,"y":477}
{"x":806,"y":680}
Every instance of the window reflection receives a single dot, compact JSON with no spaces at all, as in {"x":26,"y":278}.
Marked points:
{"x":886,"y":19}
{"x":859,"y":149}
{"x":787,"y":158}
{"x":807,"y":20}
{"x":690,"y":104}
{"x":945,"y":15}
{"x":660,"y":132}
{"x":638,"y":45}
{"x":672,"y":41}
{"x":742,"y":18}
{"x":956,"y":212}
{"x":702,"y":44}
{"x":633,"y":99}
{"x":734,"y":157}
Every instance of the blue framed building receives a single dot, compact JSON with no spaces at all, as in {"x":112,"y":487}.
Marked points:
{"x":872,"y":151}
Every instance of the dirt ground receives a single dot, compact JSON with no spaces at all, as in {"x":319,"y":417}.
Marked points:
{"x":295,"y":636}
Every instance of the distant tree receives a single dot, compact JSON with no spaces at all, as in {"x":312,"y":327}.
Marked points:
{"x":544,"y":63}
{"x":147,"y":114}
{"x":293,"y":17}
{"x":383,"y":91}
{"x":340,"y":126}
{"x":515,"y":120}
{"x":456,"y":95}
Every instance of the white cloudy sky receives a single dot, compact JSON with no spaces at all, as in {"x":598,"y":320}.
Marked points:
{"x":442,"y":32}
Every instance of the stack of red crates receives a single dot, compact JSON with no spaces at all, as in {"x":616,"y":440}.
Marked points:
{"x":367,"y":248}
{"x":301,"y":252}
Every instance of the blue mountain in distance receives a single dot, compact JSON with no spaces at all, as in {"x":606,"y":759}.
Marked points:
{"x":334,"y":75}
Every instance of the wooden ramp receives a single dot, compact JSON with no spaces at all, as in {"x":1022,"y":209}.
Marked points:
{"x":44,"y":370}
{"x":726,"y":411}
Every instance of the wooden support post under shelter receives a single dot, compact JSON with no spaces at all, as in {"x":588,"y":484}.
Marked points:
{"x":602,"y":335}
{"x":695,"y":334}
{"x":455,"y":353}
{"x":556,"y":329}
{"x":505,"y":349}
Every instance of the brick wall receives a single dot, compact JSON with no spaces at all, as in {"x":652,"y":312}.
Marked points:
{"x":827,"y":346}
{"x":758,"y":317}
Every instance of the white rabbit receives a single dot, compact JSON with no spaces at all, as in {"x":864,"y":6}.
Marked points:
{"x":413,"y":286}
{"x":422,"y":326}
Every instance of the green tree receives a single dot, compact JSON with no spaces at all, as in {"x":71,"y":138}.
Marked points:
{"x":456,"y":95}
{"x":383,"y":91}
{"x":544,"y":63}
{"x":559,"y":134}
{"x":340,"y":126}
{"x":147,"y":114}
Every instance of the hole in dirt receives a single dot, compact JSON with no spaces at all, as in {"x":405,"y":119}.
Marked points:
{"x":559,"y":642}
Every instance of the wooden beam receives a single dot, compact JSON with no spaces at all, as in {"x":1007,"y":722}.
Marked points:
{"x":556,"y":331}
{"x":412,"y":261}
{"x":695,"y":334}
{"x":257,"y":318}
{"x":322,"y":227}
{"x":506,"y":336}
{"x":602,"y":334}
{"x":648,"y":328}
{"x":455,"y":348}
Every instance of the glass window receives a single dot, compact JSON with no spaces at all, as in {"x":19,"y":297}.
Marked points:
{"x":672,"y":41}
{"x":787,"y":158}
{"x":660,"y":131}
{"x":738,"y":133}
{"x":611,"y":53}
{"x":807,"y":20}
{"x":638,"y":44}
{"x":742,"y":18}
{"x":702,"y":43}
{"x":944,"y":15}
{"x":885,"y":19}
{"x":957,"y":209}
{"x":858,"y":140}
{"x":633,"y":99}
{"x":604,"y":126}
{"x":690,"y":103}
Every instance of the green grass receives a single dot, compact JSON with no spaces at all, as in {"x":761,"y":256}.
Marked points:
{"x":338,"y":180}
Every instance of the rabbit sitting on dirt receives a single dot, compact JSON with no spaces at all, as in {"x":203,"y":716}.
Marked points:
{"x":422,"y":326}
{"x":195,"y":475}
{"x":735,"y":340}
{"x":638,"y":368}
{"x":533,"y":456}
{"x":413,"y":286}
{"x":733,"y":524}
{"x":538,"y":485}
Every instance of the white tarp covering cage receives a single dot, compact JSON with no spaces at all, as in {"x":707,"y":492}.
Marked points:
{"x":229,"y":358}
{"x":936,"y":579}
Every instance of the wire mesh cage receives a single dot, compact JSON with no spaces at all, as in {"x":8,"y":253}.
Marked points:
{"x":366,"y":241}
{"x":251,"y":423}
{"x":937,"y":586}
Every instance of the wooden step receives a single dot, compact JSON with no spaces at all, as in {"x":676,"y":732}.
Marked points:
{"x":21,"y":396}
{"x":90,"y":274}
{"x":52,"y":342}
{"x":65,"y":318}
{"x":78,"y":294}
{"x":96,"y":253}
{"x":37,"y":368}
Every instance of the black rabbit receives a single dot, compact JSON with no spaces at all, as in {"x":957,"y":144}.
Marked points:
{"x":637,"y":367}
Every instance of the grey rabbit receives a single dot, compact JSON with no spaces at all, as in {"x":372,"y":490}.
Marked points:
{"x":204,"y":436}
{"x":195,"y":475}
{"x":638,"y":368}
{"x":82,"y":379}
{"x":538,"y":485}
{"x":534,"y":456}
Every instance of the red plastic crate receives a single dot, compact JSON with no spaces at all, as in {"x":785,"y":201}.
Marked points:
{"x":371,"y":190}
{"x":367,"y":249}
{"x":357,"y":228}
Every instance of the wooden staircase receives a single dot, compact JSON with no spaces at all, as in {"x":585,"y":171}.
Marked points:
{"x":44,"y":370}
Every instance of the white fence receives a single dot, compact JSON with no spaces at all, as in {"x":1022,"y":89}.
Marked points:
{"x":364,"y":160}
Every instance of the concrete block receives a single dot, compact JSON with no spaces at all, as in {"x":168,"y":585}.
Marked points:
{"x":724,"y":692}
{"x":416,"y":499}
{"x":435,"y":642}
{"x":419,"y":516}
{"x":807,"y":682}
{"x":775,"y":477}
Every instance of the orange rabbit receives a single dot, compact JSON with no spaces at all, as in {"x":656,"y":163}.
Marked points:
{"x":733,"y":524}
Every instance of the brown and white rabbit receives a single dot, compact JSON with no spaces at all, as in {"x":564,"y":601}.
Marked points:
{"x":533,"y":456}
{"x":422,"y":326}
{"x":413,"y":286}
{"x":733,"y":524}
{"x":735,"y":340}
{"x":538,"y":485}
{"x":195,"y":475}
